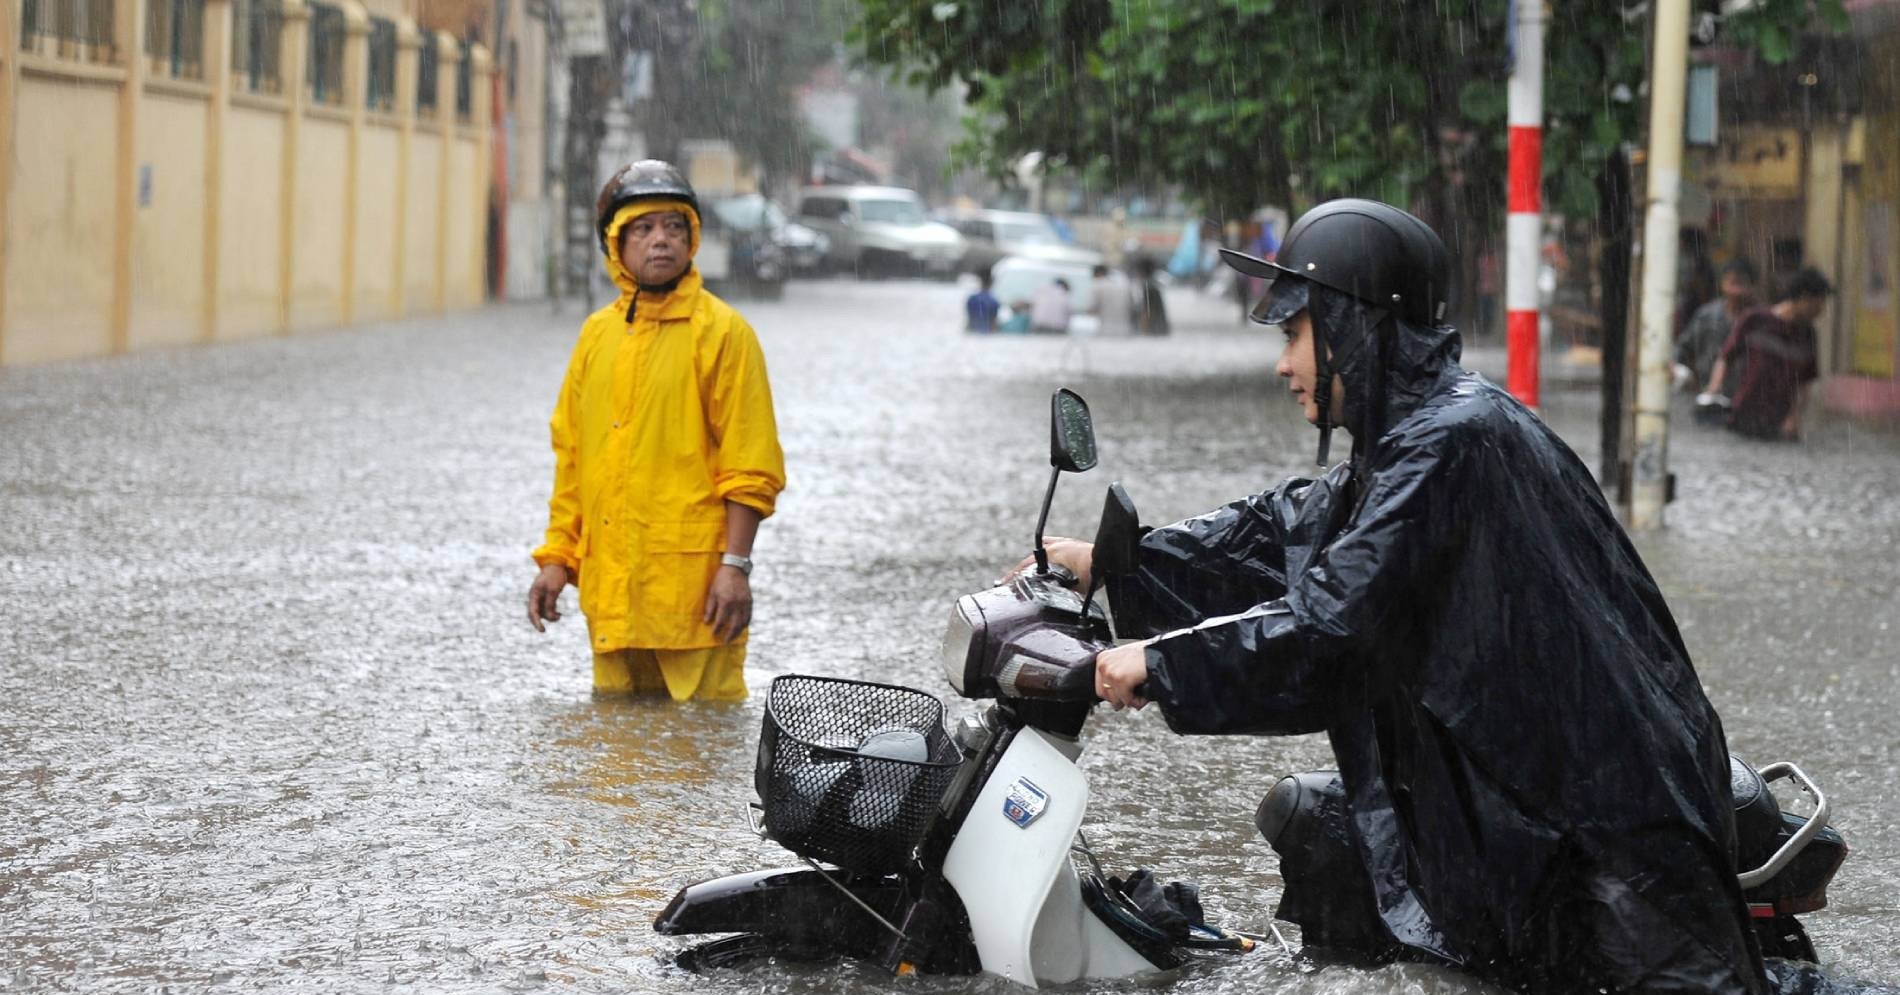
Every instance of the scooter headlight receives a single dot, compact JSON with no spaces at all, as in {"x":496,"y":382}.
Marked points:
{"x":965,"y":622}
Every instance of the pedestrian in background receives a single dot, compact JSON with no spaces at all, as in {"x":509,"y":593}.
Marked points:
{"x":1696,"y":279}
{"x":1109,"y":302}
{"x":1775,"y":348}
{"x":1708,"y":329}
{"x":1050,"y":308}
{"x":1490,"y":283}
{"x":1151,"y":310}
{"x":981,"y":308}
{"x":666,"y":458}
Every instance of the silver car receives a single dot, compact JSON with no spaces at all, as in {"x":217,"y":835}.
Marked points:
{"x":993,"y":235}
{"x":880,"y":230}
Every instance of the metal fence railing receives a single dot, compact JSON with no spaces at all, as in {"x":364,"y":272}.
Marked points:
{"x":80,"y":30}
{"x":174,"y":46}
{"x":380,"y":91}
{"x":175,"y":38}
{"x":257,"y":45}
{"x":323,"y":68}
{"x":464,"y":82}
{"x":426,"y":67}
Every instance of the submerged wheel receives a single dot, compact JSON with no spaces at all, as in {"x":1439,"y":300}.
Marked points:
{"x":732,"y":951}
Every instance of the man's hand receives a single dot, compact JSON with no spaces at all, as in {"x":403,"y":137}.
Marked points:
{"x":729,"y":603}
{"x":1075,"y":554}
{"x":545,"y":595}
{"x":1791,"y":427}
{"x":1119,"y":671}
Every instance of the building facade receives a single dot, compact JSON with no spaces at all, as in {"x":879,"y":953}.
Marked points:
{"x":1806,"y":171}
{"x":176,"y":171}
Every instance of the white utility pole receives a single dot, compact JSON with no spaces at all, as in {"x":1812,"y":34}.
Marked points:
{"x":1668,"y":75}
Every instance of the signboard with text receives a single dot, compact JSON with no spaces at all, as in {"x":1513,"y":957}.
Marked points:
{"x":583,"y":28}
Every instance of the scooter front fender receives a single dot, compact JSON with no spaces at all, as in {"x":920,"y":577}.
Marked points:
{"x":1010,"y":865}
{"x":790,"y":903}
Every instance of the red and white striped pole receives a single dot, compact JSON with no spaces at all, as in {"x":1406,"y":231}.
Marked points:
{"x":1524,"y":228}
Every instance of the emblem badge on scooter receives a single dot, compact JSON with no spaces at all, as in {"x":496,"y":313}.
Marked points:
{"x":1025,"y":802}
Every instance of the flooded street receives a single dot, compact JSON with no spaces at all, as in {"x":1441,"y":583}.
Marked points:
{"x":274,"y":718}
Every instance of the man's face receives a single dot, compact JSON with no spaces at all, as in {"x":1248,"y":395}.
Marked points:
{"x":1300,"y":368}
{"x":1739,"y":293}
{"x":655,"y":247}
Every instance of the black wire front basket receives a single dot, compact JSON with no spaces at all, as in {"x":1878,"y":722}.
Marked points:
{"x":850,"y":772}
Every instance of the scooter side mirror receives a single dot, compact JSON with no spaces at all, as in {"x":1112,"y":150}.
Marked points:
{"x":1071,"y":448}
{"x":1117,"y":538}
{"x":1071,"y":432}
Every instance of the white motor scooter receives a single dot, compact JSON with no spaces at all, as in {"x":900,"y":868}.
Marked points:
{"x":954,"y":852}
{"x":962,"y":851}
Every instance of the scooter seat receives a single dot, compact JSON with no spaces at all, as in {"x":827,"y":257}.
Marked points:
{"x":1758,"y":822}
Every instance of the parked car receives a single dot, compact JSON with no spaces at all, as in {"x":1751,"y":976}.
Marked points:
{"x":801,"y":249}
{"x":879,"y":230}
{"x":804,"y":247}
{"x":992,"y":235}
{"x":737,"y":251}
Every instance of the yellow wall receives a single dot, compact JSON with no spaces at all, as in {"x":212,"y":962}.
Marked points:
{"x":527,"y":161}
{"x":465,"y":229}
{"x":89,"y":268}
{"x":316,"y":299}
{"x":425,"y":180}
{"x":253,"y":195}
{"x":1872,"y":295}
{"x":60,"y":210}
{"x":168,"y":255}
{"x":375,"y":236}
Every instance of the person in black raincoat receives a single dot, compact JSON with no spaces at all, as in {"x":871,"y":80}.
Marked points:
{"x":1535,"y":785}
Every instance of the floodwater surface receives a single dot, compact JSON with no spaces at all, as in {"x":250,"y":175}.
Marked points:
{"x":274,"y":718}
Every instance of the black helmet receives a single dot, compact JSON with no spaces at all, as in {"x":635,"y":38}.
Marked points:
{"x":643,"y":180}
{"x":1373,"y":251}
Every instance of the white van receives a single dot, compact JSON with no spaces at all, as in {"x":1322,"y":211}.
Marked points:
{"x":877,"y":230}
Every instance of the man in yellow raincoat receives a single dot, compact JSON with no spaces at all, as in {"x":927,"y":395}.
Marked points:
{"x":666,"y":458}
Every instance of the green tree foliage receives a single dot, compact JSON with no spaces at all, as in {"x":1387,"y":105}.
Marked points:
{"x":732,"y":69}
{"x":1244,"y":102}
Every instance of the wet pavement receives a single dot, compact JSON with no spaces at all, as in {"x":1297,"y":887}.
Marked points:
{"x":274,"y":719}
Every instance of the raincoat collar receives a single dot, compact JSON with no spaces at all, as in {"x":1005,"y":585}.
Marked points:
{"x":668,"y":305}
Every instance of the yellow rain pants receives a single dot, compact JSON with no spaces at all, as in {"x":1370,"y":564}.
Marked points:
{"x":713,"y":674}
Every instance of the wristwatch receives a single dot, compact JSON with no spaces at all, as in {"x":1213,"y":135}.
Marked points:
{"x":743,"y":563}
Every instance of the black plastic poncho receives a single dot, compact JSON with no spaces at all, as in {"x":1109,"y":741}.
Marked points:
{"x":1538,"y":786}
